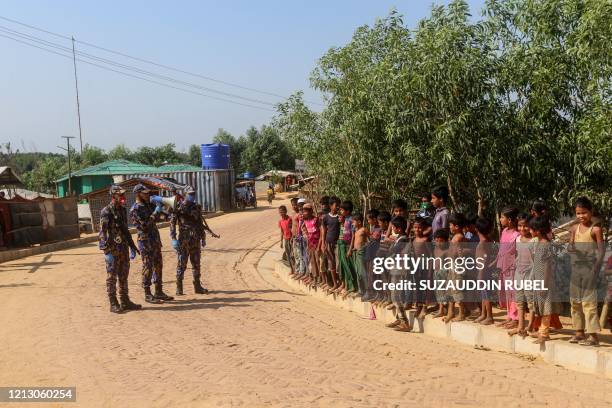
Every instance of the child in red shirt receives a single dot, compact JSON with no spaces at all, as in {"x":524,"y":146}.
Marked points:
{"x":285,"y":225}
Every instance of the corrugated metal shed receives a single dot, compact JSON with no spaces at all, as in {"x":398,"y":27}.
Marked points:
{"x":214,"y":188}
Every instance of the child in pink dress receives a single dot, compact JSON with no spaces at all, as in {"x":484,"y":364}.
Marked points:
{"x":506,"y":263}
{"x":313,"y":234}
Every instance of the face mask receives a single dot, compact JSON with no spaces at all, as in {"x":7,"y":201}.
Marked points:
{"x":119,"y":200}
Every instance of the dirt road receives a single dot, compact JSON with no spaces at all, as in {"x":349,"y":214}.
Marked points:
{"x":251,"y":342}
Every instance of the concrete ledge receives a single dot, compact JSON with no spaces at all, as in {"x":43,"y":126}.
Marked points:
{"x":571,"y":356}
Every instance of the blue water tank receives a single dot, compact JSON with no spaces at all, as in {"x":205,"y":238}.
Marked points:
{"x":215,"y":156}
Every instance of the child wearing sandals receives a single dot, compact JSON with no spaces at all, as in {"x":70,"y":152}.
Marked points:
{"x":524,"y":266}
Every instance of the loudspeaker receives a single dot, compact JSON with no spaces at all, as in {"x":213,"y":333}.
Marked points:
{"x":168,"y":202}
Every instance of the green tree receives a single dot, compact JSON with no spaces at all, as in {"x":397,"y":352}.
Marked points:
{"x":92,"y":155}
{"x":265,"y":150}
{"x":157,"y":156}
{"x":194,"y":155}
{"x":120,"y":152}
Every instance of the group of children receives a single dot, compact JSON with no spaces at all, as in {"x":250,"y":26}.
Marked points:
{"x":334,"y":250}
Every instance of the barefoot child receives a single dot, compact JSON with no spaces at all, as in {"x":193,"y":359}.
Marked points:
{"x":370,"y":250}
{"x":285,"y":227}
{"x":422,"y":248}
{"x":312,"y":233}
{"x":330,"y":233}
{"x":456,"y":222}
{"x":522,"y":274}
{"x":543,"y":271}
{"x":357,"y":251}
{"x":506,"y":257}
{"x":295,"y":223}
{"x":587,"y":253}
{"x":399,"y":247}
{"x":485,"y":250}
{"x":346,"y":237}
{"x":382,"y":297}
{"x":440,"y":273}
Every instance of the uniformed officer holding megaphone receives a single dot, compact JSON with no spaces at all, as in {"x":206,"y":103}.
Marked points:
{"x":144,"y":216}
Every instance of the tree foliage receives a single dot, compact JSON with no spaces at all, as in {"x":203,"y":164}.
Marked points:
{"x":502,"y":110}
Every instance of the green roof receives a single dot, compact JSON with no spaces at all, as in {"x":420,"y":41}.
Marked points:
{"x":179,"y":167}
{"x":111,"y":168}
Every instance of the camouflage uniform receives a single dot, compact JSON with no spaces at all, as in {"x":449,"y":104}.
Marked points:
{"x":149,"y":241}
{"x":115,"y":238}
{"x":191,"y":238}
{"x":188,"y":216}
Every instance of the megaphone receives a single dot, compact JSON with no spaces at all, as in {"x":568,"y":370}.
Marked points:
{"x":168,"y":202}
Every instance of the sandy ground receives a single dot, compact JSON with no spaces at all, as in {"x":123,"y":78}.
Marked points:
{"x":251,"y":342}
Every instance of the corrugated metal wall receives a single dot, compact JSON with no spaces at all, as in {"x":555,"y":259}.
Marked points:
{"x":214,"y":188}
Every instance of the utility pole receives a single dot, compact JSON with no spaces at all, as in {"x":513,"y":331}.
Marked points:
{"x":76,"y":84}
{"x":67,"y":149}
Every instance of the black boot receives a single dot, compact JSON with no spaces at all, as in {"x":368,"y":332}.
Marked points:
{"x":179,"y":287}
{"x":159,"y":293}
{"x":197,"y":287}
{"x":127,"y":304}
{"x":150,"y":298}
{"x":115,"y":307}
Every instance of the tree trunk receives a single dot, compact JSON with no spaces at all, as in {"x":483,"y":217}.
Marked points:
{"x":451,"y":192}
{"x":480,"y":200}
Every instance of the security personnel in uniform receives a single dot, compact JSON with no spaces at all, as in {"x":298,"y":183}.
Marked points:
{"x":115,"y":239}
{"x":191,"y":239}
{"x":143,"y":215}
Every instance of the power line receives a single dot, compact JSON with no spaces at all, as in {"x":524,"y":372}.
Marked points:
{"x":136,"y":76}
{"x":128,"y":67}
{"x":168,"y":67}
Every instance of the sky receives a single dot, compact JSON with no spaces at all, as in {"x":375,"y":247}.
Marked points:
{"x":268,"y":45}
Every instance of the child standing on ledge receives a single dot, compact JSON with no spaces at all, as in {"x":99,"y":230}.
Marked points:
{"x":543,"y":270}
{"x":587,"y":253}
{"x":485,"y":250}
{"x":505,"y":262}
{"x":285,"y":224}
{"x":357,"y":252}
{"x":522,"y":274}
